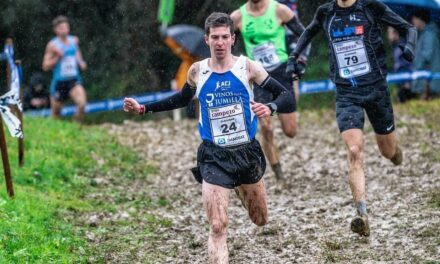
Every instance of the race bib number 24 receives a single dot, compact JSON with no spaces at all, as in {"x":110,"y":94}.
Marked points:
{"x":228,"y":125}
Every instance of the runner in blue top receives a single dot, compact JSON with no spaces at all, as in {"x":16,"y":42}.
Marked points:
{"x":64,"y":57}
{"x":230,"y":156}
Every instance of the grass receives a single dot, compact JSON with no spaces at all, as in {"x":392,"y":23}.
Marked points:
{"x":434,"y":202}
{"x":429,"y":110}
{"x":61,"y":160}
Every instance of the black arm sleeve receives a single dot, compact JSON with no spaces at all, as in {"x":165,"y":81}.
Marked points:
{"x":311,"y":30}
{"x":283,"y":99}
{"x":175,"y":101}
{"x":389,"y":18}
{"x":297,"y":28}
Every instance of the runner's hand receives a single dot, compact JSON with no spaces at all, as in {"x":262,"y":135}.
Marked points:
{"x":131,"y":106}
{"x":261,"y":110}
{"x":295,"y":67}
{"x":407,"y":52}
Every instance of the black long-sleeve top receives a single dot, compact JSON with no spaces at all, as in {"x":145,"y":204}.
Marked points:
{"x":356,"y":49}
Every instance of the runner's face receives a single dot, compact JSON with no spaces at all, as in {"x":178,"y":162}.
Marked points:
{"x":62,"y":29}
{"x":220,"y":41}
{"x":346,"y":3}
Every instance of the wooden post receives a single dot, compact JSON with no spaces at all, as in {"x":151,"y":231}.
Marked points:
{"x":5,"y":159}
{"x":3,"y":146}
{"x":20,"y":140}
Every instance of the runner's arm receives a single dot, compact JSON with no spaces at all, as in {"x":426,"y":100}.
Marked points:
{"x":292,"y":22}
{"x":236,"y":18}
{"x":306,"y":37}
{"x":82,"y":64}
{"x":51,"y":57}
{"x":178,"y":100}
{"x":389,"y":18}
{"x":283,"y":98}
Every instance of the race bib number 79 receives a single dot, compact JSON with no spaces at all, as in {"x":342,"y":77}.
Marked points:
{"x":352,"y":58}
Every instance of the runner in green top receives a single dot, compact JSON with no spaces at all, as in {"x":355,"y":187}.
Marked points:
{"x":261,"y":23}
{"x":264,"y":37}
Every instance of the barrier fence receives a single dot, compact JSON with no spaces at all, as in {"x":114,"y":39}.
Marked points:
{"x":309,"y":87}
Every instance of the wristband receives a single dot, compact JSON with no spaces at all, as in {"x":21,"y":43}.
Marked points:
{"x":142,"y":110}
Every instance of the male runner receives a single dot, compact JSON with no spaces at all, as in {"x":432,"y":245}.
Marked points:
{"x":64,"y":57}
{"x":230,"y":156}
{"x":261,"y":23}
{"x":358,"y":68}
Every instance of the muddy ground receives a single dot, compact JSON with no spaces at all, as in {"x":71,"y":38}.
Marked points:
{"x":309,"y":221}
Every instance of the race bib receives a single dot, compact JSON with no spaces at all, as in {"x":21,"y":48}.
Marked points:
{"x":266,"y":54}
{"x":69,"y":67}
{"x":352,"y":58}
{"x":228,"y":125}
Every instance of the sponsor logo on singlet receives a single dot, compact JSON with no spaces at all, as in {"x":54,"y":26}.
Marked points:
{"x":222,"y":85}
{"x":348,"y":31}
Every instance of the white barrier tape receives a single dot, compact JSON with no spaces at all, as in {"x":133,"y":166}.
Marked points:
{"x":12,"y":97}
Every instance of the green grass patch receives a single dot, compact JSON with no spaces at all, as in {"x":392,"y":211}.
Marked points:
{"x":428,"y":110}
{"x":434,"y":202}
{"x":61,"y":160}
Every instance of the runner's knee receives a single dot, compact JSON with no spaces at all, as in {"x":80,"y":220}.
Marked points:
{"x":219,"y":228}
{"x":387,"y":152}
{"x":290,"y":131}
{"x":355,"y":153}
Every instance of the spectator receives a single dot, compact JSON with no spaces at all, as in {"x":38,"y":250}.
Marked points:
{"x":400,"y":64}
{"x":36,"y":96}
{"x":427,"y":53}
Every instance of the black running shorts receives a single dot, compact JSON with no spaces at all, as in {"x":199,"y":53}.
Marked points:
{"x":230,"y":167}
{"x":63,"y":88}
{"x":264,"y":96}
{"x":374,"y":99}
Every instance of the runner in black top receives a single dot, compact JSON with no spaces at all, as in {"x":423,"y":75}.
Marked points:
{"x":358,"y":68}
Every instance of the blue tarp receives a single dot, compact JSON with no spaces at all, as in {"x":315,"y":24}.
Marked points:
{"x":305,"y":88}
{"x":429,"y":4}
{"x":406,"y":7}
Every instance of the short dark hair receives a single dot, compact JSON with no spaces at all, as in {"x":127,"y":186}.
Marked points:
{"x":423,"y":14}
{"x":218,"y":19}
{"x":58,"y":20}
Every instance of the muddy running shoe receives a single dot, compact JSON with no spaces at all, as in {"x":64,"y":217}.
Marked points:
{"x":279,"y":175}
{"x":398,"y":157}
{"x":360,"y":225}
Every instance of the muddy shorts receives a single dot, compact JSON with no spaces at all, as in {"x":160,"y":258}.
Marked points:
{"x":230,"y":167}
{"x":374,"y":99}
{"x":264,"y":96}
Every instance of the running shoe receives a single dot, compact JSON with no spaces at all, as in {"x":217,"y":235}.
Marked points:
{"x":360,"y":225}
{"x":398,"y":157}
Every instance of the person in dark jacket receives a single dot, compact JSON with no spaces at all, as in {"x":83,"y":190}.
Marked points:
{"x":36,"y":95}
{"x":358,"y":68}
